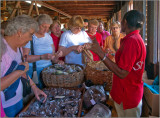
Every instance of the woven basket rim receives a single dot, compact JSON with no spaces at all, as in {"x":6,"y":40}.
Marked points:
{"x":62,"y":80}
{"x":67,"y":64}
{"x":96,"y":69}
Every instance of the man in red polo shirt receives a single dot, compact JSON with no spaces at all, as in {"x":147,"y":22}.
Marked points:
{"x":127,"y":88}
{"x":92,"y":33}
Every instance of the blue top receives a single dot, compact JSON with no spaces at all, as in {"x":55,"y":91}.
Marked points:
{"x":41,"y":46}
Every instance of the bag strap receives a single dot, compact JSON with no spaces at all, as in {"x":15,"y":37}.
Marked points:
{"x":23,"y":61}
{"x":21,"y":55}
{"x":32,"y":53}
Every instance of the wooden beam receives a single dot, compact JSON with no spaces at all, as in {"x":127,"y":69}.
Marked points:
{"x":82,"y":2}
{"x":92,"y":10}
{"x":90,"y":13}
{"x":14,"y":10}
{"x":60,"y":5}
{"x":90,"y":17}
{"x":20,"y":10}
{"x":36,"y":8}
{"x":86,"y":8}
{"x":54,"y":9}
{"x":4,"y":5}
{"x":31,"y":8}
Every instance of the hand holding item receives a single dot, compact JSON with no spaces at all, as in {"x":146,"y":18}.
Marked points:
{"x":109,"y":51}
{"x":46,"y":56}
{"x":60,"y":62}
{"x":96,"y":48}
{"x":78,"y":49}
{"x":26,"y":66}
{"x":58,"y":54}
{"x":38,"y":93}
{"x":87,"y":46}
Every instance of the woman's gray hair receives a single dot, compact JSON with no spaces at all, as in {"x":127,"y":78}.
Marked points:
{"x":44,"y":18}
{"x":21,"y":23}
{"x":3,"y":47}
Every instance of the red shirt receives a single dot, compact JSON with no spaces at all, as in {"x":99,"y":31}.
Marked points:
{"x":56,"y":42}
{"x":99,"y":40}
{"x":130,"y":57}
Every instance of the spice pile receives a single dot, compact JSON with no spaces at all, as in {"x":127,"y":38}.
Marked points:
{"x":66,"y":69}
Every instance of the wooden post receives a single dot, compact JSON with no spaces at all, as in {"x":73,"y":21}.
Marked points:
{"x":30,"y":9}
{"x":4,"y":5}
{"x":20,"y":10}
{"x":14,"y":10}
{"x":36,"y":8}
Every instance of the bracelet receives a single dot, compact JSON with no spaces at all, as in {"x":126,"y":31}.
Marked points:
{"x":104,"y":57}
{"x":33,"y":84}
{"x":40,"y":57}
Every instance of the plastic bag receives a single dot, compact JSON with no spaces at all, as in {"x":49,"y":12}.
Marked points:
{"x":95,"y":94}
{"x":99,"y":110}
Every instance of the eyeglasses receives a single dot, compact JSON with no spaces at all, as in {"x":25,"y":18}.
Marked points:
{"x":115,"y":28}
{"x":76,"y":28}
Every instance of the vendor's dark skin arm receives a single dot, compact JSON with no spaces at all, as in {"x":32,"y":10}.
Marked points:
{"x":110,"y":64}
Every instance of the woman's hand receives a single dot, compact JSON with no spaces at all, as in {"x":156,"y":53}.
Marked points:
{"x":26,"y":66}
{"x":38,"y":93}
{"x":108,"y":50}
{"x":78,"y":49}
{"x":60,"y":62}
{"x":87,"y":46}
{"x":58,"y":54}
{"x":47,"y":56}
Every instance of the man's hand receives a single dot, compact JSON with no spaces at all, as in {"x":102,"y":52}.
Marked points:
{"x":96,"y":48}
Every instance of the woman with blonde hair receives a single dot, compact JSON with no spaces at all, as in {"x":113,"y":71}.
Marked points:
{"x":56,"y":33}
{"x":112,"y":42}
{"x":72,"y":41}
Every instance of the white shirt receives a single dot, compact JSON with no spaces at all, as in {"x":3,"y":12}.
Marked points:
{"x":69,"y":39}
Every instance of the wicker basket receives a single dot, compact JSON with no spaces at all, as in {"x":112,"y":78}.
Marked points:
{"x":98,"y":73}
{"x":70,"y":80}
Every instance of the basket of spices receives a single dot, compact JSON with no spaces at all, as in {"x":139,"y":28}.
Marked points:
{"x":67,"y":75}
{"x":98,"y":73}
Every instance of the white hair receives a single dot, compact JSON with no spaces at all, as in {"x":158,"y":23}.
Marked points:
{"x":23,"y":23}
{"x":44,"y":18}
